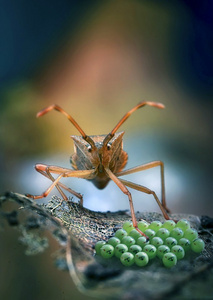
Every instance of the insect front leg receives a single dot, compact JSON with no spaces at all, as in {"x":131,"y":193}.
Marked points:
{"x":60,"y":185}
{"x":46,"y":193}
{"x":63,"y":172}
{"x":127,"y":192}
{"x":147,"y":166}
{"x":48,"y":175}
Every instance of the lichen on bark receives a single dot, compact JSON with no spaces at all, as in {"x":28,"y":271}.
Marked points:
{"x":77,"y":230}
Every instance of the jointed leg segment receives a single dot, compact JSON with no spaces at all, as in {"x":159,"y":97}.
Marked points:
{"x":63,"y":172}
{"x":146,"y":167}
{"x":59,"y":184}
{"x":126,"y":191}
{"x":147,"y":191}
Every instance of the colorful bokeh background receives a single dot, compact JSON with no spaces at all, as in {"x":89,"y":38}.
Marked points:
{"x":97,"y":59}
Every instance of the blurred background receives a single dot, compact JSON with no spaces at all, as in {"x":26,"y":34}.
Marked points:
{"x":98,"y":59}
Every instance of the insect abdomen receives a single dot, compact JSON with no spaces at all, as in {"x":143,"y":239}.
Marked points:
{"x":100,"y":183}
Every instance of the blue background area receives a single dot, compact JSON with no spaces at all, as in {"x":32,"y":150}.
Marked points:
{"x":31,"y":30}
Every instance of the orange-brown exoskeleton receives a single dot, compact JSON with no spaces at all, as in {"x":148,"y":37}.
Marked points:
{"x":101,"y":158}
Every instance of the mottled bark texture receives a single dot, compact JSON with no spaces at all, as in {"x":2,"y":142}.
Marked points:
{"x":78,"y":229}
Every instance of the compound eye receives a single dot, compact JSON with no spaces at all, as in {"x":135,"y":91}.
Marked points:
{"x":89,"y":148}
{"x":108,"y":146}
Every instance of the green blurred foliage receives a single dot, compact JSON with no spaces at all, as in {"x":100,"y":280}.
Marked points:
{"x":18,"y":130}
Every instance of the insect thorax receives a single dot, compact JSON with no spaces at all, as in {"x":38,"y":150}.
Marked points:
{"x":110,"y":156}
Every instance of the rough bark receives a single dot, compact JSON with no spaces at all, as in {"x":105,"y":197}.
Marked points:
{"x":78,"y":229}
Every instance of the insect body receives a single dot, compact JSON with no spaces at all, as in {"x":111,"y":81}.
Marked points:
{"x":101,"y":158}
{"x":111,"y":155}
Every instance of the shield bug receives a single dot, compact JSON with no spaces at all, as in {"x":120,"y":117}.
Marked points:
{"x":101,"y":158}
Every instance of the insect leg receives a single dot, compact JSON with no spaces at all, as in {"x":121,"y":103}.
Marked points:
{"x":126,"y":191}
{"x":46,"y":193}
{"x":48,"y":175}
{"x":144,"y":189}
{"x":147,"y":166}
{"x":63,"y":172}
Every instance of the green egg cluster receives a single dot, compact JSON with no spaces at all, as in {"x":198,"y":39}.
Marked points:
{"x":168,"y":241}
